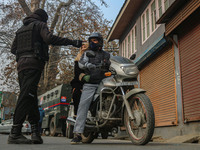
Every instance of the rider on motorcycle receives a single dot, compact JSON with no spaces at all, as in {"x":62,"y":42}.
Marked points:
{"x":92,"y":77}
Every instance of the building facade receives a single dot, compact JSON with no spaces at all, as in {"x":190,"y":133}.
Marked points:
{"x":164,"y":35}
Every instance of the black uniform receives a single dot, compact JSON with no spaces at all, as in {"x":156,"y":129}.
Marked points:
{"x":77,"y":86}
{"x":31,"y":49}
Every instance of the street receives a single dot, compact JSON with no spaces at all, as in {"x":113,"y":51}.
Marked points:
{"x":62,"y":143}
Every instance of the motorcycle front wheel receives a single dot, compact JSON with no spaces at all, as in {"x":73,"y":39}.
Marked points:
{"x":141,"y":128}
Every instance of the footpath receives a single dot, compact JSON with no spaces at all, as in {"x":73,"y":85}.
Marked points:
{"x":179,"y":139}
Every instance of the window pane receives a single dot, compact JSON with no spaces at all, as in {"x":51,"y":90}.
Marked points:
{"x":147,"y":21}
{"x":129,"y":46}
{"x":133,"y":43}
{"x":135,"y":39}
{"x":153,"y":16}
{"x":160,"y":7}
{"x":166,"y":3}
{"x":122,"y":49}
{"x":143,"y":19}
{"x":125,"y":47}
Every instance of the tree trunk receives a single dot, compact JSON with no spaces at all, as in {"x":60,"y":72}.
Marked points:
{"x":50,"y":71}
{"x":25,"y":7}
{"x":55,"y":20}
{"x":43,"y":3}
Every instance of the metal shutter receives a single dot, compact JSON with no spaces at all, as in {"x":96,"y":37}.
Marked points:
{"x":189,"y":45}
{"x":185,"y":12}
{"x":158,"y":79}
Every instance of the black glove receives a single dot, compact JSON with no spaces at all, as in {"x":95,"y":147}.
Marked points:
{"x":77,"y":43}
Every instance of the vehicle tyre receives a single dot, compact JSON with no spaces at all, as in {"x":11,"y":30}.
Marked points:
{"x":47,"y":132}
{"x":69,"y":131}
{"x":140,"y":130}
{"x":52,"y":127}
{"x":88,"y":137}
{"x":104,"y":135}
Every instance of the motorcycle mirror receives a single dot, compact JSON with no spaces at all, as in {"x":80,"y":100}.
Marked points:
{"x":133,"y":57}
{"x":90,"y":54}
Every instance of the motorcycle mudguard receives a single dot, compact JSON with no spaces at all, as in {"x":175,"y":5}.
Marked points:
{"x":131,"y":92}
{"x":134,"y":91}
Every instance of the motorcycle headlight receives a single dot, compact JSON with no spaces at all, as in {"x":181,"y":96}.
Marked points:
{"x":130,"y":70}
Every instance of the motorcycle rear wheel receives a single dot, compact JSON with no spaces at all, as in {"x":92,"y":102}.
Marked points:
{"x":140,"y":130}
{"x":88,"y":137}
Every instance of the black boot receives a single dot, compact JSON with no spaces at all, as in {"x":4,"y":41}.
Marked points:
{"x":16,"y":137}
{"x":36,"y":137}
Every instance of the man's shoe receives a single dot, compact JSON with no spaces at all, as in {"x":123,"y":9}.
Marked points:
{"x":16,"y":137}
{"x":77,"y":139}
{"x":36,"y":136}
{"x":74,"y":117}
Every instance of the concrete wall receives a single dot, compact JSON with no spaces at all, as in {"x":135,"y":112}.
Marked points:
{"x":184,"y":129}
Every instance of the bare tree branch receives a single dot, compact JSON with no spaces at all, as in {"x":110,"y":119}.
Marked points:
{"x":25,"y":7}
{"x":43,"y":4}
{"x":74,"y":19}
{"x":62,"y":4}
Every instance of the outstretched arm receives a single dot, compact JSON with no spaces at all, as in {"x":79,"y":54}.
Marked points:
{"x":49,"y":38}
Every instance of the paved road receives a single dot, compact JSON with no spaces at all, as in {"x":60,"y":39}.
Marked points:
{"x":61,"y":143}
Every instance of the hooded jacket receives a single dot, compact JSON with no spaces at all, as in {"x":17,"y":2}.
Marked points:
{"x":43,"y":36}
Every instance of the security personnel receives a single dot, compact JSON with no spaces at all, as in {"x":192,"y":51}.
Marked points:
{"x":31,"y":49}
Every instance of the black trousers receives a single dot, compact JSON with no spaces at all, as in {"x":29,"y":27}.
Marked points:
{"x":27,"y":103}
{"x":76,"y":98}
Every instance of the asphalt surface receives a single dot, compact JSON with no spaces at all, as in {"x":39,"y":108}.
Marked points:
{"x":61,"y":143}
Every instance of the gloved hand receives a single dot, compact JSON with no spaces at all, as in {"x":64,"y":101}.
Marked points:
{"x":91,"y":66}
{"x":86,"y":78}
{"x":77,"y":43}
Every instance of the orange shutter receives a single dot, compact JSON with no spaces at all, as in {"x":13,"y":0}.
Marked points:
{"x":157,"y":77}
{"x":186,"y":11}
{"x":189,"y":45}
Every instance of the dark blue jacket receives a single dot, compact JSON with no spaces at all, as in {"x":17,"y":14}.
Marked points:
{"x":42,"y":114}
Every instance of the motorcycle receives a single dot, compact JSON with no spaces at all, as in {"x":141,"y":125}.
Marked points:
{"x":118,"y":103}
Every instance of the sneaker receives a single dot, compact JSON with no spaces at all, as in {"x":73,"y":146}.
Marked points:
{"x":77,"y":139}
{"x":74,"y":117}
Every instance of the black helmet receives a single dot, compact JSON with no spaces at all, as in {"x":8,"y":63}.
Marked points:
{"x":98,"y":36}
